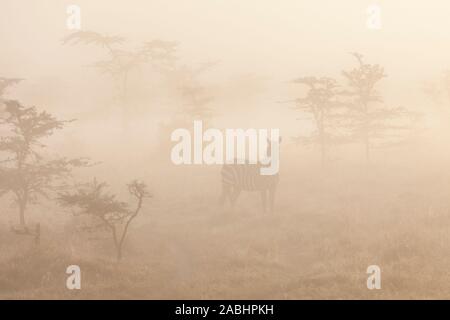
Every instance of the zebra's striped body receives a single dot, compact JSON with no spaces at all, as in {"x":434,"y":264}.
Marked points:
{"x":247,"y":177}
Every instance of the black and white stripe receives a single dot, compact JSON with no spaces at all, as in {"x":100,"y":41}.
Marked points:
{"x":247,"y":177}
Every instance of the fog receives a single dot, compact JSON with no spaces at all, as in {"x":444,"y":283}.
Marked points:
{"x":367,"y":185}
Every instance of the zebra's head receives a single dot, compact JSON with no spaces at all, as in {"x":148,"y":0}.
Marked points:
{"x":271,"y":162}
{"x":270,"y":143}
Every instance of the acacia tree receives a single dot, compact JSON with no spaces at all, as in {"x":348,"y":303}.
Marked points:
{"x":197,"y":102}
{"x":361,"y":81}
{"x":373,"y":123}
{"x":120,"y":61}
{"x":196,"y":97}
{"x":111,"y":213}
{"x":322,"y":101}
{"x":6,"y":83}
{"x":24,"y":170}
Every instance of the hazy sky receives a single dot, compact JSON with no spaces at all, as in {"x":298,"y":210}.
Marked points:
{"x":278,"y":40}
{"x":267,"y":36}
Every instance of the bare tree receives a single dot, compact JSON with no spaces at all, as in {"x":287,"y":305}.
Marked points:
{"x":322,"y":101}
{"x":120,"y":62}
{"x":373,"y":123}
{"x":197,"y":102}
{"x":196,"y":97}
{"x":111,"y":213}
{"x":5,"y":83}
{"x":362,"y":81}
{"x":24,"y":171}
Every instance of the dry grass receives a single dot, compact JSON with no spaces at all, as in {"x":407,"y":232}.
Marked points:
{"x":327,"y":230}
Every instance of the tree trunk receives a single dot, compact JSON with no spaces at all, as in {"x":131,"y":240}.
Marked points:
{"x":124,"y":102}
{"x":117,"y":245}
{"x":37,"y":235}
{"x":322,"y":142}
{"x":119,"y":253}
{"x":367,"y":145}
{"x":366,"y":132}
{"x":322,"y":147}
{"x":22,"y":208}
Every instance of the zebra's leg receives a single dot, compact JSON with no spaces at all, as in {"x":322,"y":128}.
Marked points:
{"x":264,"y":200}
{"x":226,"y":194}
{"x":234,"y":195}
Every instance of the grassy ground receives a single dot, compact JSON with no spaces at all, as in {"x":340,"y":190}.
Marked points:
{"x":326,"y":231}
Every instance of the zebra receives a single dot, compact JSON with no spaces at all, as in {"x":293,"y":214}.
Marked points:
{"x":238,"y":177}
